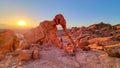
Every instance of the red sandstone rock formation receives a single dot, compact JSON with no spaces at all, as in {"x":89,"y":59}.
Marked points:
{"x":8,"y":41}
{"x":46,"y":32}
{"x":93,"y":31}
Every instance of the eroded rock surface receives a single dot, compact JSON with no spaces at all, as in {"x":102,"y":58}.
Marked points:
{"x":53,"y":57}
{"x":8,"y":41}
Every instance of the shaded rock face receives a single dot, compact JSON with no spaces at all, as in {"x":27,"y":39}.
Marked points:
{"x":8,"y":41}
{"x":113,"y":51}
{"x":116,"y":35}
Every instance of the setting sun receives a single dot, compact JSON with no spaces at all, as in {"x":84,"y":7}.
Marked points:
{"x":21,"y":23}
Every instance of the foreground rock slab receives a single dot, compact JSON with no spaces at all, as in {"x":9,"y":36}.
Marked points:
{"x":53,"y":57}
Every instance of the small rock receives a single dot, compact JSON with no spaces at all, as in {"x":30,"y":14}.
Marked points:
{"x":69,"y":48}
{"x":25,"y":55}
{"x":35,"y":54}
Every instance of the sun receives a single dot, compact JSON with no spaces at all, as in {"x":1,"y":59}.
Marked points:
{"x":21,"y":23}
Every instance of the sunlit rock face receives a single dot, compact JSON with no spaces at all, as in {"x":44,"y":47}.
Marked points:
{"x":117,"y":26}
{"x":34,"y":35}
{"x":8,"y":41}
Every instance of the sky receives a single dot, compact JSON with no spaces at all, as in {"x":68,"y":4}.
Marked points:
{"x":76,"y":12}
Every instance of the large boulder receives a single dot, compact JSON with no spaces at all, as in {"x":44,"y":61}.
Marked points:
{"x":8,"y":41}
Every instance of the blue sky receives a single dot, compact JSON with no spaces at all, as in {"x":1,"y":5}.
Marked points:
{"x":76,"y":12}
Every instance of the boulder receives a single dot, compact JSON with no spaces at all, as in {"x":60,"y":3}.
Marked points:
{"x":25,"y":55}
{"x":35,"y":54}
{"x":84,"y":45}
{"x":69,"y":48}
{"x":8,"y":41}
{"x":35,"y":48}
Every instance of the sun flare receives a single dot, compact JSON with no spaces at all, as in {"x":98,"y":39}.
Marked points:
{"x":21,"y":23}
